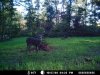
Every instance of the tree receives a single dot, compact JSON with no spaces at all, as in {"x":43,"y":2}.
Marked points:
{"x":66,"y":16}
{"x":8,"y":28}
{"x":50,"y":13}
{"x":30,"y":17}
{"x":56,"y":2}
{"x":5,"y":18}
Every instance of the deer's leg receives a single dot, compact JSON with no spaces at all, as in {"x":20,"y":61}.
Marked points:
{"x":36,"y":48}
{"x":28,"y":47}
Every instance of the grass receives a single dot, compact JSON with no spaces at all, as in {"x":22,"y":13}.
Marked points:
{"x":73,"y":53}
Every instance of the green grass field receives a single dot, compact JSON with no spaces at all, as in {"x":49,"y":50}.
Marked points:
{"x":73,"y":53}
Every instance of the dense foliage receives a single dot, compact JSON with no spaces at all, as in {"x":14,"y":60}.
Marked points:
{"x":46,"y":19}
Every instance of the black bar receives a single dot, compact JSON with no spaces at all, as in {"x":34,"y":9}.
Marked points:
{"x":49,"y":72}
{"x":9,"y":72}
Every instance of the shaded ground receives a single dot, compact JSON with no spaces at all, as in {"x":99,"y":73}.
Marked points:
{"x":73,"y":53}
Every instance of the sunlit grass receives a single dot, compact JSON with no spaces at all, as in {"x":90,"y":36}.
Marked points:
{"x":73,"y":53}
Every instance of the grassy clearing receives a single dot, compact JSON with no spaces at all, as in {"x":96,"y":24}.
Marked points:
{"x":73,"y":53}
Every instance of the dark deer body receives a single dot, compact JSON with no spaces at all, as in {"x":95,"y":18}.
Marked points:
{"x":31,"y":41}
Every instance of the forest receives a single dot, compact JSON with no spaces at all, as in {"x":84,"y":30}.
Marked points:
{"x":73,"y":18}
{"x":69,"y":31}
